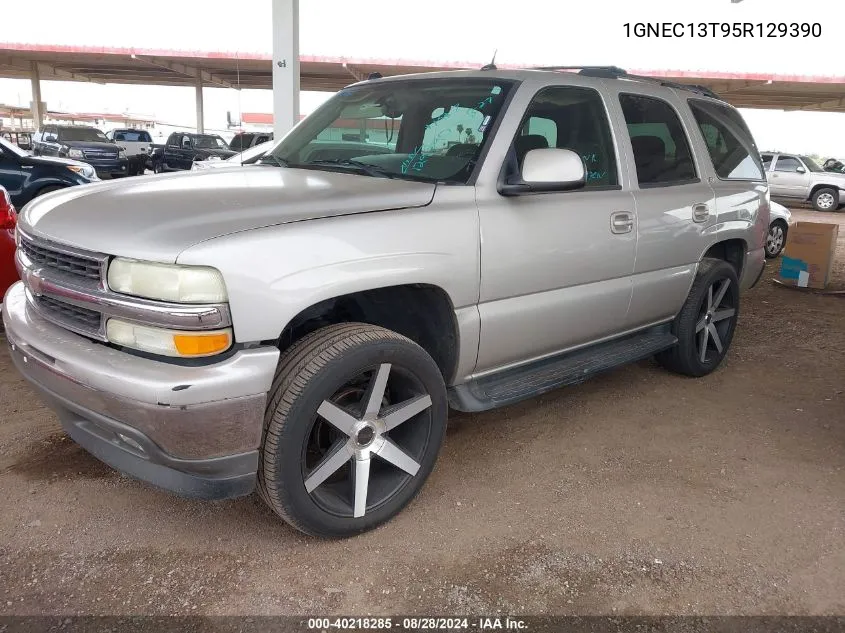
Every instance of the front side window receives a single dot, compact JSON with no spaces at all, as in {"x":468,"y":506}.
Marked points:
{"x":729,"y":142}
{"x":661,"y":149}
{"x":422,"y":129}
{"x":83,"y":134}
{"x":573,"y":118}
{"x":788,"y":163}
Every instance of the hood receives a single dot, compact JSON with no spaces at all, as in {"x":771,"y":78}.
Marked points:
{"x":222,"y":153}
{"x":108,"y":147}
{"x":52,"y":160}
{"x":157,"y":217}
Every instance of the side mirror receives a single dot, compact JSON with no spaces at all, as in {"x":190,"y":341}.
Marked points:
{"x":547,"y":170}
{"x":801,"y":170}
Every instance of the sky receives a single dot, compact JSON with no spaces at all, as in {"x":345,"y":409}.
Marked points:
{"x":530,"y":32}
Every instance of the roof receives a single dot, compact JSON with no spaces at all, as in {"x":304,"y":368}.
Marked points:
{"x":254,"y":70}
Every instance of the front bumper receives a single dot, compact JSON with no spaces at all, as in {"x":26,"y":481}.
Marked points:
{"x":193,"y":430}
{"x":108,"y":168}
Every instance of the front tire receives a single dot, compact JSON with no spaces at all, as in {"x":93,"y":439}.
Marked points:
{"x":705,"y":326}
{"x":776,"y":238}
{"x":825,"y":199}
{"x":355,"y":421}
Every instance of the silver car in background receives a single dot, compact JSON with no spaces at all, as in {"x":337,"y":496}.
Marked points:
{"x":779,"y":223}
{"x":800,"y":178}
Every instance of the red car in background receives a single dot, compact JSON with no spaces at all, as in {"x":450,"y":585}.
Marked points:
{"x":8,"y":220}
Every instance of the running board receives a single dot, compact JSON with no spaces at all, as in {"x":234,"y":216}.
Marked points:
{"x":512,"y":385}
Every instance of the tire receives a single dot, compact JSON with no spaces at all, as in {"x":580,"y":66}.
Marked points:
{"x":825,"y":199}
{"x":692,"y":326}
{"x":158,"y":167}
{"x":309,"y":466}
{"x":776,"y":238}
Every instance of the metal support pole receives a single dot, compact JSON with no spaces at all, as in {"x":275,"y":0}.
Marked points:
{"x":37,"y":114}
{"x":200,"y":115}
{"x":285,"y":25}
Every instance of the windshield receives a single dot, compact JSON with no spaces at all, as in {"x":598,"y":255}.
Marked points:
{"x":82,"y":134}
{"x":11,"y":148}
{"x":811,"y":164}
{"x":241,"y":141}
{"x":132,"y":136}
{"x":421,"y":129}
{"x":209,"y":142}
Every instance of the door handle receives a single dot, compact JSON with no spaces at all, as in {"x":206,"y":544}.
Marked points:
{"x":700,"y":212}
{"x":621,"y":222}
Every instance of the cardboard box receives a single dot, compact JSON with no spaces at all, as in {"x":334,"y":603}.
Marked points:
{"x":807,"y":260}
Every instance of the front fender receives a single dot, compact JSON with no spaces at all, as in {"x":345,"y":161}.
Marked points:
{"x":274,"y":273}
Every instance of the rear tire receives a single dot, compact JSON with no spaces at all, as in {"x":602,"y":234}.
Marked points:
{"x":355,"y":421}
{"x":825,"y":199}
{"x":705,"y":326}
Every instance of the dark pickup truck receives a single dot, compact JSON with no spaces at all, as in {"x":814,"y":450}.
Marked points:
{"x":85,"y":144}
{"x":183,"y":149}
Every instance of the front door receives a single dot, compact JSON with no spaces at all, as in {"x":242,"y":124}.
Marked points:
{"x":789,"y":178}
{"x":556,"y":267}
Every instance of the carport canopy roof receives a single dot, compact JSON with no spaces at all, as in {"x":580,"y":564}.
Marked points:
{"x":252,"y":70}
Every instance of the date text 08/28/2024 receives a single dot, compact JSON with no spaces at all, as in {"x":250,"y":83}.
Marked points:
{"x":762,"y":30}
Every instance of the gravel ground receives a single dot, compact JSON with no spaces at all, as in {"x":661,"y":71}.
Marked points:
{"x":639,"y":492}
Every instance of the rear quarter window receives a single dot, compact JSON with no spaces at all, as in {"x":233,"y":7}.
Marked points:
{"x":729,"y":142}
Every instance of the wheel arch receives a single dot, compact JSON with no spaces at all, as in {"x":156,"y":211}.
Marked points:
{"x":732,"y":250}
{"x":422,"y":312}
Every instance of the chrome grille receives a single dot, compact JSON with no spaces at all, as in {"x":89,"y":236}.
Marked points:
{"x":88,"y":153}
{"x":58,"y":260}
{"x":72,"y":317}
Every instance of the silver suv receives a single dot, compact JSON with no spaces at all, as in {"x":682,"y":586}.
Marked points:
{"x":796,"y":177}
{"x":468,"y":240}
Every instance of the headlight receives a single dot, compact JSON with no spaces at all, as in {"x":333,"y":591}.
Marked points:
{"x":168,"y":342}
{"x":84,"y":170}
{"x":167,"y":282}
{"x":75,"y":153}
{"x":121,"y":153}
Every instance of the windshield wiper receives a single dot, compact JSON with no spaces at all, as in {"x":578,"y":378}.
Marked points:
{"x":270,"y":159}
{"x":367,"y":168}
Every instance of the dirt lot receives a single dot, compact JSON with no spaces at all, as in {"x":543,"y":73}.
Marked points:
{"x":638,"y":492}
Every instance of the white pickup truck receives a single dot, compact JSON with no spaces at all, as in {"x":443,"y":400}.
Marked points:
{"x":136,"y":143}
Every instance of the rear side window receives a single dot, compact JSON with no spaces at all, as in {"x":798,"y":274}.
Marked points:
{"x":661,"y":148}
{"x":767,"y":160}
{"x":729,"y":142}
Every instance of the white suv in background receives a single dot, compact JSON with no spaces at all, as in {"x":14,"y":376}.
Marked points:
{"x":137,"y":144}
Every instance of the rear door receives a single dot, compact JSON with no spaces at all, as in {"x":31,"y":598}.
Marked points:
{"x":675,"y":203}
{"x":790,"y":177}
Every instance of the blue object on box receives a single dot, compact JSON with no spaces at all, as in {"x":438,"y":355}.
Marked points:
{"x":791,"y":267}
